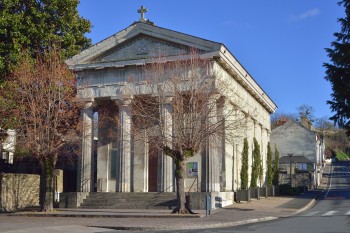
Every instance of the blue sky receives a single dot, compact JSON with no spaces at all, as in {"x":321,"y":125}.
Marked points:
{"x":280,"y":42}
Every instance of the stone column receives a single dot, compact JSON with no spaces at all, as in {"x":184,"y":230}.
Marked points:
{"x":250,"y":136}
{"x":107,"y":151}
{"x":165,"y":162}
{"x":125,"y":146}
{"x":85,"y":163}
{"x":140,"y":162}
{"x":213,"y":149}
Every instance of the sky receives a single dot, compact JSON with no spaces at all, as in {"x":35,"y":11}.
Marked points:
{"x":281,"y":43}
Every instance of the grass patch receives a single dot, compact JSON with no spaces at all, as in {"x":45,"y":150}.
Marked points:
{"x":341,"y":156}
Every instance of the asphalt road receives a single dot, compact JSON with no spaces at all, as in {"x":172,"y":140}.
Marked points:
{"x":330,"y":214}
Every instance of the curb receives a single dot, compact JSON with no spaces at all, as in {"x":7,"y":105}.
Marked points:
{"x":195,"y":227}
{"x":307,"y":206}
{"x":193,"y":216}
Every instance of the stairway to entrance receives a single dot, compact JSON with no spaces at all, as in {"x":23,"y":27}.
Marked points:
{"x":153,"y":200}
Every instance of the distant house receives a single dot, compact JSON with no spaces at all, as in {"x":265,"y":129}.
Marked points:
{"x":7,"y":147}
{"x":300,"y":147}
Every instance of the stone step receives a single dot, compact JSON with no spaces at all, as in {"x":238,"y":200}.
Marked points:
{"x":131,"y":197}
{"x":126,"y":206}
{"x":130,"y":207}
{"x":130,"y":201}
{"x":130,"y":194}
{"x":108,"y":202}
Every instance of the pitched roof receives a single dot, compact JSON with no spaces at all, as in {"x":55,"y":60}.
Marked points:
{"x":295,"y":159}
{"x":288,"y":124}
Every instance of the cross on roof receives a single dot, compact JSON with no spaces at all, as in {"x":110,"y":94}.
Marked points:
{"x":142,"y":11}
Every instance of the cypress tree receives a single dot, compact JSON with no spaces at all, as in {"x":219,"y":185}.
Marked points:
{"x":256,"y":165}
{"x":244,"y":168}
{"x":269,"y":165}
{"x":261,"y":172}
{"x":275,"y":180}
{"x":338,"y":71}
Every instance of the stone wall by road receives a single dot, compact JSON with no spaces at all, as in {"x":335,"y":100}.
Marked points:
{"x":18,"y":191}
{"x":298,"y":179}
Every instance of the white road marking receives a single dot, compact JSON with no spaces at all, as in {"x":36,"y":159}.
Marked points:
{"x":348,"y":213}
{"x":329,"y":213}
{"x":311,"y":214}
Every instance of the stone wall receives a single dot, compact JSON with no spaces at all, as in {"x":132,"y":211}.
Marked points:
{"x":72,"y":199}
{"x":18,"y":191}
{"x":298,"y":179}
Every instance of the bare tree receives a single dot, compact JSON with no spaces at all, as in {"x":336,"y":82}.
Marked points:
{"x":42,"y":109}
{"x":324,"y":126}
{"x":279,"y":118}
{"x":182,"y":105}
{"x":307,"y":111}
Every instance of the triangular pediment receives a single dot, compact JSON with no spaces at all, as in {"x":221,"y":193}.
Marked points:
{"x":140,"y":41}
{"x":141,"y":47}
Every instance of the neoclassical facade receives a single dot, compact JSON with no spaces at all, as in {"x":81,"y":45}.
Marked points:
{"x":124,"y":164}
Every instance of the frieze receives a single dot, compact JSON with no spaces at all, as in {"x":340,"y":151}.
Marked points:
{"x":97,"y":92}
{"x":140,"y":47}
{"x":89,"y":92}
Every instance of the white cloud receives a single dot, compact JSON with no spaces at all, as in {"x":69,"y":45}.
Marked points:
{"x":305,"y":15}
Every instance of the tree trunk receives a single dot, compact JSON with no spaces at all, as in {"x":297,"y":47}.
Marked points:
{"x":48,"y":166}
{"x":180,"y":170}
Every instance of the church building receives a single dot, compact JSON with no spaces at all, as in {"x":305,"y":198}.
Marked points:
{"x":124,"y":165}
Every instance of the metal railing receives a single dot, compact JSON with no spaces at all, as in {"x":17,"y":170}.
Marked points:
{"x":83,"y":184}
{"x":196,"y":179}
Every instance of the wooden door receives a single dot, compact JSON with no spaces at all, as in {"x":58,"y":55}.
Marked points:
{"x":152,"y":166}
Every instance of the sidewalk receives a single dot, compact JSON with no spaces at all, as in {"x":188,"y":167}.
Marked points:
{"x":154,"y":220}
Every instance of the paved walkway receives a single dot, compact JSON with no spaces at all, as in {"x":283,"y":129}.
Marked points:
{"x":152,"y":220}
{"x":94,"y":220}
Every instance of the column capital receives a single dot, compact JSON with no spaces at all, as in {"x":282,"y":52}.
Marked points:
{"x":87,"y":105}
{"x":168,"y":99}
{"x":123,"y":100}
{"x":215,"y":96}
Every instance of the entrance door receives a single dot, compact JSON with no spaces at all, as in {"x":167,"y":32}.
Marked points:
{"x":152,"y":166}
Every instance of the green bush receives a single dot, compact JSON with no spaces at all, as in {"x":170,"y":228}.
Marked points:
{"x":244,"y":168}
{"x":286,"y":190}
{"x":256,"y":164}
{"x":269,"y":172}
{"x":275,"y":178}
{"x":341,"y":156}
